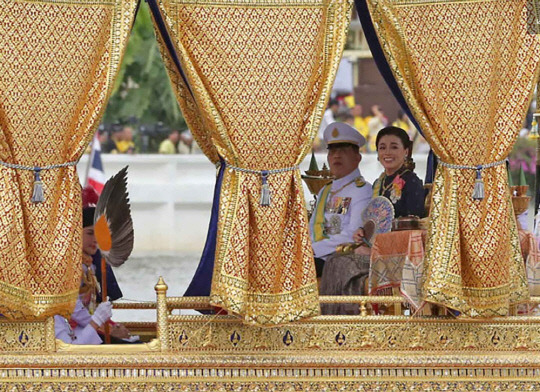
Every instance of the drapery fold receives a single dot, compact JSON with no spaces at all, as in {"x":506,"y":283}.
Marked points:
{"x":467,"y":70}
{"x":259,"y":76}
{"x":59,"y":62}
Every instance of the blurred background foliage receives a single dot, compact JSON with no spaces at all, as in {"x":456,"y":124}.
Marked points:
{"x":143,"y":93}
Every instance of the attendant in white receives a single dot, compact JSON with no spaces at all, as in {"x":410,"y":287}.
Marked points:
{"x":87,"y":317}
{"x":340,"y":204}
{"x":82,"y":328}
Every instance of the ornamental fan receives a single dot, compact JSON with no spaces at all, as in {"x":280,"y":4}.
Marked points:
{"x":113,"y":226}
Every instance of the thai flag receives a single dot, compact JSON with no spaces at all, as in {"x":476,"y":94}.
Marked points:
{"x":96,"y":175}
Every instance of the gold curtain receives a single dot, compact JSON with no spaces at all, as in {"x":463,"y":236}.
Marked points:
{"x":467,"y":69}
{"x":261,"y":73}
{"x":58,"y":61}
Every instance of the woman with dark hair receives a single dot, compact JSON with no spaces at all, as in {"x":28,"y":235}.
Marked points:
{"x":398,"y":182}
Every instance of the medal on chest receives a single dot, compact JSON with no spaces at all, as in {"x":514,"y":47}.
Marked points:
{"x":339,"y":205}
{"x":334,"y":225}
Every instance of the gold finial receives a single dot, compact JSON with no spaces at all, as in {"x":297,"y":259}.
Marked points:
{"x":161,"y":286}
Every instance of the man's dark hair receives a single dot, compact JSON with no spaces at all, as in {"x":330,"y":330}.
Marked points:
{"x":344,"y":145}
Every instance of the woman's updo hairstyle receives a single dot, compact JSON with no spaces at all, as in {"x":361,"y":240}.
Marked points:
{"x":394,"y":131}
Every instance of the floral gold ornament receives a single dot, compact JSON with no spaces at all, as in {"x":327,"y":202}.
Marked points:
{"x":183,"y":338}
{"x":315,"y":340}
{"x":209,"y":338}
{"x":340,"y":338}
{"x":288,"y":338}
{"x":261,"y":340}
{"x":235,"y":338}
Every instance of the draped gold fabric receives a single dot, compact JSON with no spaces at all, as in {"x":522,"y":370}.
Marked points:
{"x":467,"y":69}
{"x":58,"y":60}
{"x":261,"y":73}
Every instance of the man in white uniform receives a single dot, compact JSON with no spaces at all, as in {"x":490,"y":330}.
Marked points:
{"x":339,"y":204}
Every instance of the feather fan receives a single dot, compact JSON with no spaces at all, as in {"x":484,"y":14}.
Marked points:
{"x":112,"y":220}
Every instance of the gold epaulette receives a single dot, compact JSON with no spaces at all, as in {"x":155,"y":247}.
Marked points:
{"x":360,"y":182}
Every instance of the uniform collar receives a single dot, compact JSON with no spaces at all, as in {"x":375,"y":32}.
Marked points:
{"x":348,"y":178}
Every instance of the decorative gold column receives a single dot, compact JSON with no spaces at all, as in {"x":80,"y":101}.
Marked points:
{"x":50,"y":336}
{"x":162,"y":314}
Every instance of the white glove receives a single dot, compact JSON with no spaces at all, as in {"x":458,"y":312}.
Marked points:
{"x":102,"y":313}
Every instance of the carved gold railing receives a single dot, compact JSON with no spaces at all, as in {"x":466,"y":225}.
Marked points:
{"x":216,"y":332}
{"x":194,"y":332}
{"x":166,"y":304}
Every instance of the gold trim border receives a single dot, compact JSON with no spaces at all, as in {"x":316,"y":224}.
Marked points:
{"x":282,"y":374}
{"x":330,"y":385}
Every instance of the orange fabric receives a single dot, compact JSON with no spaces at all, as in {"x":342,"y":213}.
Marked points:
{"x":397,"y":259}
{"x":398,"y":243}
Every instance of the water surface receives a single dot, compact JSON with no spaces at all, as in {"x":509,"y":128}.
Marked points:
{"x":138,"y":276}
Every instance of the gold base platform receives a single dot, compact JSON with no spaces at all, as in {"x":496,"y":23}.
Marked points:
{"x":326,"y":353}
{"x":480,"y":372}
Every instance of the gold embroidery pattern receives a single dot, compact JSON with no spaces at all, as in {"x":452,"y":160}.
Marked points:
{"x":468,"y":81}
{"x":260,"y":74}
{"x":59,"y":60}
{"x":23,"y":337}
{"x":190,"y":110}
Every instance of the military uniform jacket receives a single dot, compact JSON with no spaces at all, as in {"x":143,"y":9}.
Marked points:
{"x":342,"y":213}
{"x":83,"y":333}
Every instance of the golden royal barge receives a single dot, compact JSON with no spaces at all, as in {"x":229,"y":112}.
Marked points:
{"x":252,"y":79}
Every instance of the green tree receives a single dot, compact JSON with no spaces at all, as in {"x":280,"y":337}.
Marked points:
{"x":143,"y":89}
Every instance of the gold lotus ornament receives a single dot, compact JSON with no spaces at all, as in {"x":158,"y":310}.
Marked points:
{"x":315,"y":180}
{"x":520,"y":200}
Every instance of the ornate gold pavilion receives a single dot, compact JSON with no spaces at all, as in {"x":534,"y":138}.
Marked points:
{"x":464,"y":69}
